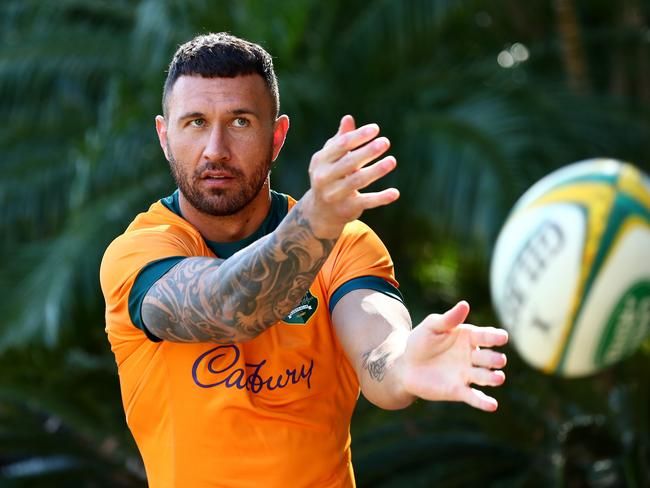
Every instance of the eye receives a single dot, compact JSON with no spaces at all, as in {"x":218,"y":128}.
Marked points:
{"x":240,"y":122}
{"x":197,"y":122}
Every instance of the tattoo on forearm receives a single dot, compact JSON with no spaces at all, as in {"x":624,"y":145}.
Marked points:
{"x":375,"y":362}
{"x":215,"y":300}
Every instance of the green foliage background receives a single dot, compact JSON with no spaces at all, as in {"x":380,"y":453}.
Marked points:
{"x":80,"y":83}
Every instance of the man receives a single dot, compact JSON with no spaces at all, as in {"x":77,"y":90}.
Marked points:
{"x":243,"y":322}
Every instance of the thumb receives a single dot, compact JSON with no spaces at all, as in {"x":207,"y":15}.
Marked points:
{"x":346,"y":125}
{"x":450,"y":319}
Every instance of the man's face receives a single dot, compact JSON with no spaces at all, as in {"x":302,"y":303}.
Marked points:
{"x":220,"y":139}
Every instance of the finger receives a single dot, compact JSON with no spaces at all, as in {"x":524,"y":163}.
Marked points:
{"x":358,"y":158}
{"x":450,"y":319}
{"x":346,"y":125}
{"x":340,"y":144}
{"x":486,"y":358}
{"x":486,"y":377}
{"x":377,"y":199}
{"x":361,"y":178}
{"x":480,"y":400}
{"x":488,"y":336}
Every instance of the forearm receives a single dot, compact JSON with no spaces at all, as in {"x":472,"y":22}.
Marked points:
{"x":373,"y":329}
{"x":235,"y":300}
{"x":441,"y":359}
{"x":381,"y":373}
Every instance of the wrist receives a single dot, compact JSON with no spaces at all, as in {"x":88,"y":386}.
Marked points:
{"x":316,"y":215}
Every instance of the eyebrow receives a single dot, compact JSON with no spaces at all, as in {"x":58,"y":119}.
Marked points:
{"x":244,"y":111}
{"x":191,"y":115}
{"x":236,"y":111}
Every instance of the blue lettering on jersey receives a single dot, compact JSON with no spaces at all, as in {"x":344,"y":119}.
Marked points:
{"x":221,"y":362}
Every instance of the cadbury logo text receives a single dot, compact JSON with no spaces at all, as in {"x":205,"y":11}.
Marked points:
{"x":221,"y":366}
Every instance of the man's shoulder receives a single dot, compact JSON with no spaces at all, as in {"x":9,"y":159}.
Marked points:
{"x":359,"y":239}
{"x":357,"y":228}
{"x":157,"y":232}
{"x":157,"y":223}
{"x":156,"y":218}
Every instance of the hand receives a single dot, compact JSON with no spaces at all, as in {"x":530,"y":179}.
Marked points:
{"x":340,"y":169}
{"x":443,"y":357}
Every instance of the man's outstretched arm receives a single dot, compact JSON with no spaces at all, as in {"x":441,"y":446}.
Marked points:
{"x":214,"y":300}
{"x":438,"y":360}
{"x":234,"y":300}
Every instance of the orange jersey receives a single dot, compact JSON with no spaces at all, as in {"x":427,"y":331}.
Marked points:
{"x":273,"y":411}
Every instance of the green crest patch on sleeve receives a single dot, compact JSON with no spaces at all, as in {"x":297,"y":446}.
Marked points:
{"x":303,"y":311}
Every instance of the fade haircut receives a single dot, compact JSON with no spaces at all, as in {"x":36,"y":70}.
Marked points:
{"x":221,"y":55}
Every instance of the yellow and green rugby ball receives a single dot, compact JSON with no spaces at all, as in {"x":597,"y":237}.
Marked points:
{"x":570,"y":272}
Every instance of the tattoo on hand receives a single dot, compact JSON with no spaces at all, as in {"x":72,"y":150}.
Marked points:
{"x":376,"y":365}
{"x":225,"y":301}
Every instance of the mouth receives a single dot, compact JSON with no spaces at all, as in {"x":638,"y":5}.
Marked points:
{"x":217,"y":178}
{"x":216,"y":175}
{"x":217,"y":181}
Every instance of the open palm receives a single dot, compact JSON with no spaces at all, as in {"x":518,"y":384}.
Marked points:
{"x":444,"y":356}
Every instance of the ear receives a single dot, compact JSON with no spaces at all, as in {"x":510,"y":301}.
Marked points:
{"x":161,"y":129}
{"x":280,"y":129}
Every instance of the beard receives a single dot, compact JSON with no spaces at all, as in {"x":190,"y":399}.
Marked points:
{"x":220,"y":202}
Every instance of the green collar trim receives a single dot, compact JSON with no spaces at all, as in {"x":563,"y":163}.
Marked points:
{"x":172,"y":203}
{"x":277,"y":212}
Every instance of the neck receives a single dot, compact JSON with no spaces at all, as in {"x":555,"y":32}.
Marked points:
{"x":229,"y":228}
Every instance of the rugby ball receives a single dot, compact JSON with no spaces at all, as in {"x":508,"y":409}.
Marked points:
{"x":570,"y":271}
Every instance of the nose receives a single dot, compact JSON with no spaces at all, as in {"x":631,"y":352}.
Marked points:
{"x":216,"y":147}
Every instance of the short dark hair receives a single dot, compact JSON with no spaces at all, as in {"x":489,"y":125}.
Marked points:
{"x":221,"y":55}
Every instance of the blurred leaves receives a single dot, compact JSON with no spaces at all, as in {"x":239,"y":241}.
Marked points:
{"x":80,"y":83}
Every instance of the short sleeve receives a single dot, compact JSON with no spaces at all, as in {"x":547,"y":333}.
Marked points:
{"x":365,"y":283}
{"x":147,"y":276}
{"x":130,"y":264}
{"x":359,"y":260}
